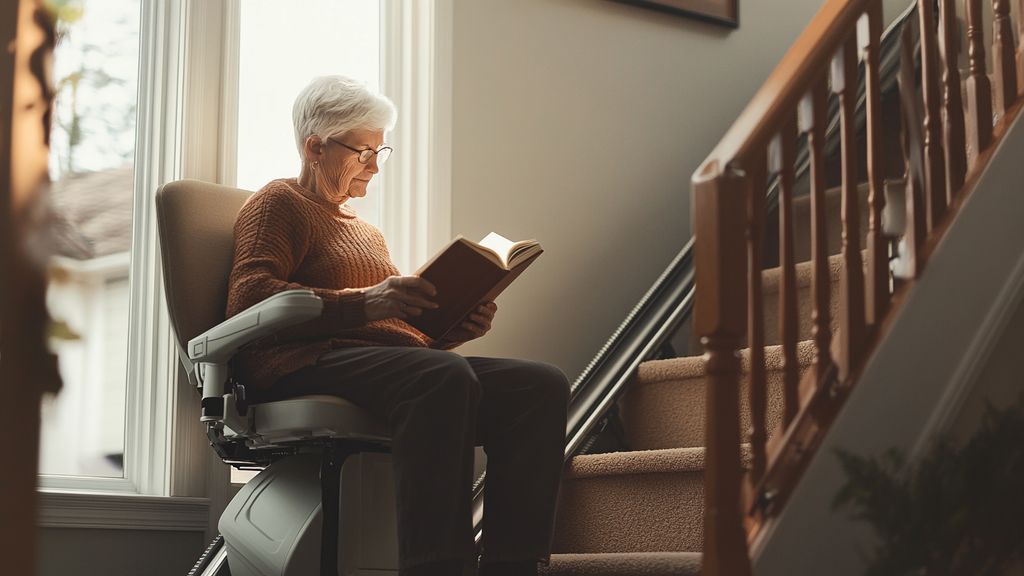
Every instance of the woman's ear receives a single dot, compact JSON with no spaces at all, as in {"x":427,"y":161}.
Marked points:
{"x":313,"y":148}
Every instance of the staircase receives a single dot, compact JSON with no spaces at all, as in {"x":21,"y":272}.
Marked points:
{"x":717,"y":445}
{"x":642,"y":511}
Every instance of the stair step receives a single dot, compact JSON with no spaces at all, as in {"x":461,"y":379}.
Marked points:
{"x":833,"y":220}
{"x":893,"y":216}
{"x":665,"y":405}
{"x":643,"y":501}
{"x":624,"y":564}
{"x":770,"y":286}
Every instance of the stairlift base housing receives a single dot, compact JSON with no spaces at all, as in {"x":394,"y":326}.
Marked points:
{"x":272,"y":526}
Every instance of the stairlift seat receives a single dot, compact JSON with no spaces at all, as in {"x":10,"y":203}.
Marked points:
{"x":316,"y":416}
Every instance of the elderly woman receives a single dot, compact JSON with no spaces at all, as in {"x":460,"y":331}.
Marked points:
{"x":438,"y":405}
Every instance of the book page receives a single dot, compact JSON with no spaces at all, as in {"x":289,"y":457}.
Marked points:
{"x":511,"y":253}
{"x":500,"y":245}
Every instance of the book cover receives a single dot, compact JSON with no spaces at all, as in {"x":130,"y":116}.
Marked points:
{"x":465,"y":276}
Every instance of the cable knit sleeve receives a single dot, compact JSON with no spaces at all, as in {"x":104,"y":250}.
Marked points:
{"x":272,"y":237}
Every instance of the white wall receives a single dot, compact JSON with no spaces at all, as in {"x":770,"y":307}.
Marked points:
{"x":579,"y":123}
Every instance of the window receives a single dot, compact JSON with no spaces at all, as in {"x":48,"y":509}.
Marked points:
{"x":177,"y":89}
{"x":116,"y":137}
{"x":282,"y":48}
{"x":92,"y":167}
{"x":344,"y":38}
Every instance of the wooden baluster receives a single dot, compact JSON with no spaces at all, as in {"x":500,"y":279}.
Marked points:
{"x":813,"y":122}
{"x":979,"y":90}
{"x":782,"y":157}
{"x":1004,"y":65}
{"x":914,"y":234}
{"x":934,"y":159}
{"x":851,"y":285}
{"x":719,"y":318}
{"x":953,"y":106}
{"x":877,"y":297}
{"x":1020,"y":47}
{"x":758,"y":384}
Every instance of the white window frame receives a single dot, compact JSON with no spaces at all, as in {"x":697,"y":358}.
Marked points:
{"x":150,"y":356}
{"x":186,"y":128}
{"x":416,"y":73}
{"x":140,"y":499}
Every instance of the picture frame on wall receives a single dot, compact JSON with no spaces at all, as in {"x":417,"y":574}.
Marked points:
{"x":721,"y":12}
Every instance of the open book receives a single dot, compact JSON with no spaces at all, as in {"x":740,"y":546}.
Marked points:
{"x":468,"y":273}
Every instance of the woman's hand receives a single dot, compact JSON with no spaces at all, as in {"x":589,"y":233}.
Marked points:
{"x":399,"y":297}
{"x":474,"y":325}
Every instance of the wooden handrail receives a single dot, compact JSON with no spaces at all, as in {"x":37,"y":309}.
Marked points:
{"x":730,"y":218}
{"x":786,"y":86}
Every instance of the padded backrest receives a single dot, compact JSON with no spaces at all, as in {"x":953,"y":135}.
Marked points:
{"x":196,"y":223}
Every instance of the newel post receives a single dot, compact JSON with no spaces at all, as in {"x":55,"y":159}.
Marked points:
{"x":720,"y":212}
{"x":27,"y":367}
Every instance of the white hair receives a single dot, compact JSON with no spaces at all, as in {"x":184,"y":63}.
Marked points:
{"x":332,"y":105}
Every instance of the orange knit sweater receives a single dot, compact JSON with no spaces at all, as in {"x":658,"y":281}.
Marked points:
{"x":285,"y":239}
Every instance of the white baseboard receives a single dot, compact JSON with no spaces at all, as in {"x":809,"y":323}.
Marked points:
{"x":122,"y":512}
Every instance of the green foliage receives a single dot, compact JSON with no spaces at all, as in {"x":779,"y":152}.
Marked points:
{"x":64,"y":11}
{"x":959,"y":511}
{"x":64,"y":14}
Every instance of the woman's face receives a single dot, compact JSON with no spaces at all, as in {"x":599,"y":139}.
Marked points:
{"x":347,"y":176}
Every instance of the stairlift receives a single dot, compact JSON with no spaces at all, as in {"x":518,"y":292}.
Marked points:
{"x":326,"y":463}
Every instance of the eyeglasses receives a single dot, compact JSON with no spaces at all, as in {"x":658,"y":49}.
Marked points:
{"x":366,"y":153}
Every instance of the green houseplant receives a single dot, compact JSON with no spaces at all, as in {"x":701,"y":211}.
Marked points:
{"x":957,"y":511}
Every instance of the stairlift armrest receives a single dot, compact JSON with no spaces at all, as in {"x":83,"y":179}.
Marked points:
{"x":212,"y":349}
{"x":218,"y":344}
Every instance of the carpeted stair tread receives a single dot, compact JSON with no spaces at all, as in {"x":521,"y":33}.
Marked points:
{"x":833,"y":221}
{"x":893,"y":217}
{"x":770,"y":287}
{"x":640,"y":501}
{"x":689,"y":367}
{"x":624,"y":564}
{"x":636,"y":462}
{"x":665,"y":406}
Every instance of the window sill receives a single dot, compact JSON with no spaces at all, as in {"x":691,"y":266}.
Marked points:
{"x":122,"y":511}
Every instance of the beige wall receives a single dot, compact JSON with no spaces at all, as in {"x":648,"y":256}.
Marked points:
{"x":579,"y":123}
{"x":1001,"y":381}
{"x":117,"y":552}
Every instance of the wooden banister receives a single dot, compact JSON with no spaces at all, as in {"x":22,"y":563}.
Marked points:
{"x":979,"y":89}
{"x":1020,"y":47}
{"x":730,"y":218}
{"x":934,"y":158}
{"x":851,"y":282}
{"x":785,"y":86}
{"x":758,"y":385}
{"x":953,"y":107}
{"x":915,"y":228}
{"x":877,"y":295}
{"x":788,"y":318}
{"x":721,"y":323}
{"x":813,"y":123}
{"x":1004,"y":64}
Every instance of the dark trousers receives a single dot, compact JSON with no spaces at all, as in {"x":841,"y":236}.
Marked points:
{"x":438,"y":405}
